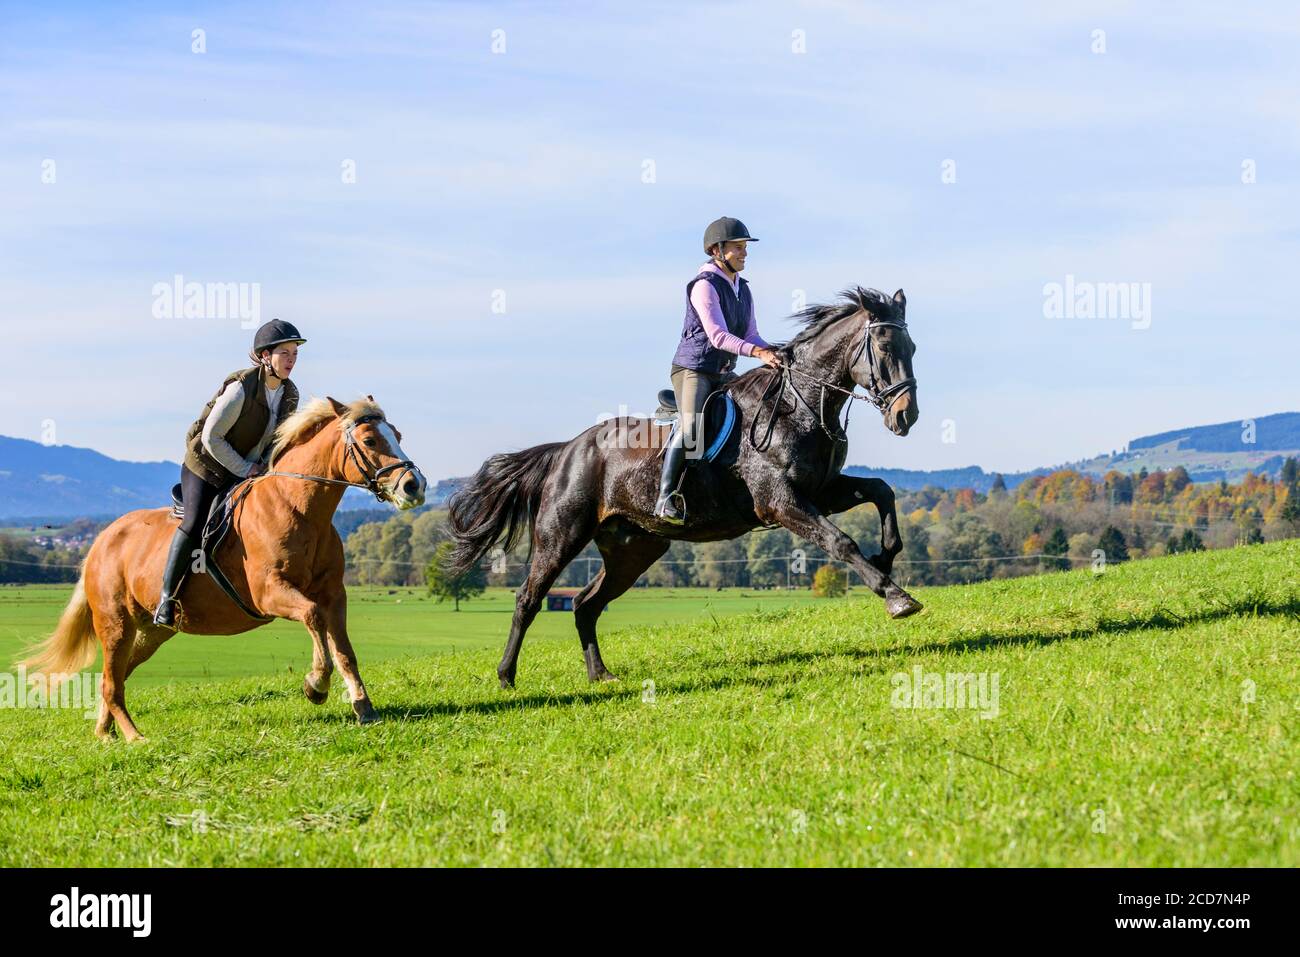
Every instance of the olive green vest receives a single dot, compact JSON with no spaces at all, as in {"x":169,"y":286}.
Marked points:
{"x":247,"y":430}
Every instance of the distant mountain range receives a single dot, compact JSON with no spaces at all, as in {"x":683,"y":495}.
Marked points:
{"x":60,"y":481}
{"x":1227,"y":451}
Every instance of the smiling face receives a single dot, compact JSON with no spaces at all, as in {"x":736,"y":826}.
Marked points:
{"x":379,"y":447}
{"x":733,"y":254}
{"x":890,"y":362}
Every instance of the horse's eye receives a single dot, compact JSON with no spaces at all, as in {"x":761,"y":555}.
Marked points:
{"x":370,"y":443}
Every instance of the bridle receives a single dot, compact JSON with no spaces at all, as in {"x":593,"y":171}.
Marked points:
{"x":352,"y":451}
{"x":881,"y":398}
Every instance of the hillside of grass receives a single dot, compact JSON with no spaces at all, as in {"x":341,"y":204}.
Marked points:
{"x":1145,"y":716}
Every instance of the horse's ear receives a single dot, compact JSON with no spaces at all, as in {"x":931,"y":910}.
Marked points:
{"x":340,"y":409}
{"x":900,"y":299}
{"x":371,"y":398}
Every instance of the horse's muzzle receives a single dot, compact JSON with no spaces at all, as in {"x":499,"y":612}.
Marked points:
{"x":903,"y":414}
{"x":407,"y":491}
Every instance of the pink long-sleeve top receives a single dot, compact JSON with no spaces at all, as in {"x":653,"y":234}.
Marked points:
{"x":705,"y":300}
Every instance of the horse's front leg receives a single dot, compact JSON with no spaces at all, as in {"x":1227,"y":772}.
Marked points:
{"x":285,"y":601}
{"x":345,"y":658}
{"x":844,"y":492}
{"x":802,"y":517}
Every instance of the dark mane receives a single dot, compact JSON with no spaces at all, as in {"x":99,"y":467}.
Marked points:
{"x":817,"y":317}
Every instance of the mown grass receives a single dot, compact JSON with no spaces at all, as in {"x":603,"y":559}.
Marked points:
{"x":1146,"y":716}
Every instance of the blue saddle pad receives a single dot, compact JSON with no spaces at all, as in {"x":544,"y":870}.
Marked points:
{"x":720,"y":425}
{"x":723,"y":432}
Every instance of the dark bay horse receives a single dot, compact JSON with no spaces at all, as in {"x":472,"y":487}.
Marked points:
{"x":285,"y":562}
{"x":786,"y":471}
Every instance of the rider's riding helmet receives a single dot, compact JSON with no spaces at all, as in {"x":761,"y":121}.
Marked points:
{"x":275,"y":333}
{"x":725,"y":230}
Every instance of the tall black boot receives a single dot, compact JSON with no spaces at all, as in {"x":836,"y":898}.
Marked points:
{"x":178,"y":559}
{"x":671,"y":507}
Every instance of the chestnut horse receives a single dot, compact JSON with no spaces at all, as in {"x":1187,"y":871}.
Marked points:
{"x":283,"y":557}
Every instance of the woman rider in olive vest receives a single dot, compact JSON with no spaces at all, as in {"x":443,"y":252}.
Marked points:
{"x":228,"y":441}
{"x":719,"y":325}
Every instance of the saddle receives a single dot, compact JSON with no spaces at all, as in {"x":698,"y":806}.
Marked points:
{"x":719,"y":419}
{"x":215,"y":528}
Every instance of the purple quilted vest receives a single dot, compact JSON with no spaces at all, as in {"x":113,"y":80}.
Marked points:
{"x":694,"y":351}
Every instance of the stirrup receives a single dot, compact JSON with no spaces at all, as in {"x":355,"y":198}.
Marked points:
{"x":170,"y":605}
{"x":661,"y":506}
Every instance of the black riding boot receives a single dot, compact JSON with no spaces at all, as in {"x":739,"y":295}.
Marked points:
{"x":671,"y":507}
{"x":177,"y":561}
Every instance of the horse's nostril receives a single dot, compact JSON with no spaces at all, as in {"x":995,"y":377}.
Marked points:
{"x":411,"y":487}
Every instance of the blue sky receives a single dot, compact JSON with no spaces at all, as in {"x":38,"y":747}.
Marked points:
{"x":522,"y":171}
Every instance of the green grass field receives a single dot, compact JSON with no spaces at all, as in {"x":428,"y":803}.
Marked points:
{"x":1146,"y":716}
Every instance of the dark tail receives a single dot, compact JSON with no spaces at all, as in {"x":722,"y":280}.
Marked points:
{"x":497,"y":504}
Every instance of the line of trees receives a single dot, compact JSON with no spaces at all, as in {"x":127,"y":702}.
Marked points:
{"x":1046,"y":523}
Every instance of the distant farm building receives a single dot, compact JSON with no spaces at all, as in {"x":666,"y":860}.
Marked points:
{"x":561,"y":600}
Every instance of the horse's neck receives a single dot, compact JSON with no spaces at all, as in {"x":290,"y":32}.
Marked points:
{"x":320,"y":456}
{"x":828,"y":362}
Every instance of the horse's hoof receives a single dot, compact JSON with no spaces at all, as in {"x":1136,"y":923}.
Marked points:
{"x":900,"y":606}
{"x":605,"y":676}
{"x":314,"y":695}
{"x":507,"y":684}
{"x":365,"y":712}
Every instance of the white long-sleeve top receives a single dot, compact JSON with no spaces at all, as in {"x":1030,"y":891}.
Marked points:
{"x":224,"y":414}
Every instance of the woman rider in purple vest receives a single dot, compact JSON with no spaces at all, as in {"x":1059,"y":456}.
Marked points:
{"x":719,"y":326}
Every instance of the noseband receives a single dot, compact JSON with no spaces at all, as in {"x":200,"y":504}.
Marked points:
{"x":369,"y":471}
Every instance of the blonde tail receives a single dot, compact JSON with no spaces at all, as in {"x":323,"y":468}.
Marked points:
{"x":72,"y":645}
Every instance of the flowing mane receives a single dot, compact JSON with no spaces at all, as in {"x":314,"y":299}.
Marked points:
{"x":308,"y":420}
{"x":817,"y":317}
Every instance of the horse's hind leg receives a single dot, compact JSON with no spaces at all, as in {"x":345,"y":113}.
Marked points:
{"x":117,"y":633}
{"x":555,"y":544}
{"x":627,"y":553}
{"x":148,"y":639}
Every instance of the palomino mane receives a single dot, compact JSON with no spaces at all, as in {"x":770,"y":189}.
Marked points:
{"x":308,"y":420}
{"x":817,"y":317}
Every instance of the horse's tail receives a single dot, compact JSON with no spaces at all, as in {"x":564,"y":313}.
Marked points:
{"x":497,"y":504}
{"x":72,"y":645}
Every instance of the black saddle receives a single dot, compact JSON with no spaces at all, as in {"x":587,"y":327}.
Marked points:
{"x":719,"y":420}
{"x":215,"y":527}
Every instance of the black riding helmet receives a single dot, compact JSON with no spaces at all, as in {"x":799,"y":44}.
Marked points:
{"x":274,"y":333}
{"x":725,"y":230}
